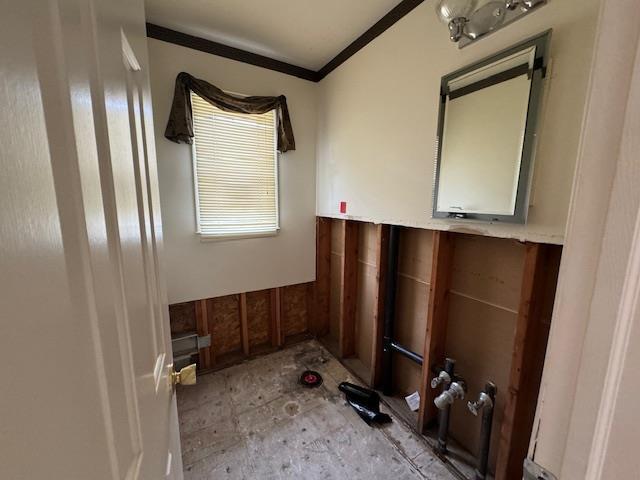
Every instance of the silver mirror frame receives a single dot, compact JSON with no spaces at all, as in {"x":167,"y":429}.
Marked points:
{"x":541,"y":42}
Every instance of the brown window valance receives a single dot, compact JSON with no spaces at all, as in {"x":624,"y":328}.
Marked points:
{"x":180,"y":125}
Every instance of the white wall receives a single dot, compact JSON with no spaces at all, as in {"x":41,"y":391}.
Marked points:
{"x":378,"y":119}
{"x":375,"y":120}
{"x":580,"y":393}
{"x":198,"y":269}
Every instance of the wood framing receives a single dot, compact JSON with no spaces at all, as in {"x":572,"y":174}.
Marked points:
{"x":248,"y":324}
{"x":244,"y":324}
{"x":320,"y":326}
{"x":276,"y":318}
{"x":202,"y":328}
{"x":437,"y":315}
{"x":347,"y":340}
{"x":382,"y":254}
{"x":527,"y":361}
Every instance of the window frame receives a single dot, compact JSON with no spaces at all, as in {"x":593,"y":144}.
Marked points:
{"x":208,"y":237}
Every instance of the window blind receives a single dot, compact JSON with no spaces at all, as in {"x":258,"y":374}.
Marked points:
{"x":235,"y":170}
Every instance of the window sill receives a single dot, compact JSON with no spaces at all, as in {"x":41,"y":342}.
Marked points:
{"x":225,"y":238}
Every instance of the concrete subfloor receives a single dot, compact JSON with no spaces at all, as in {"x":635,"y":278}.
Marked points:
{"x":255,"y":421}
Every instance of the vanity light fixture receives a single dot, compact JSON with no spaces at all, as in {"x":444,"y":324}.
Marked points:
{"x":469,"y":20}
{"x":455,"y":14}
{"x":526,"y":4}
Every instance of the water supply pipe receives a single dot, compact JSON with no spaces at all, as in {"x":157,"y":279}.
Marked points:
{"x":444,"y":400}
{"x":486,"y":403}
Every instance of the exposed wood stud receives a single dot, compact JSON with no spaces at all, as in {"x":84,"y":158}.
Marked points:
{"x":276,"y":318}
{"x":382,"y":241}
{"x":202,"y":328}
{"x":323,"y":277}
{"x":244,"y":324}
{"x":348,"y":298}
{"x":437,"y":315}
{"x":241,"y":324}
{"x":530,"y":343}
{"x":281,"y":295}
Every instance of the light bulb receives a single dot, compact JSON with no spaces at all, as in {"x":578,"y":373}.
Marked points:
{"x":449,"y":10}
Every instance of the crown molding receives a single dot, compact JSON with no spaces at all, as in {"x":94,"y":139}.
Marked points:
{"x":214,"y":48}
{"x":381,"y":26}
{"x":221,"y":50}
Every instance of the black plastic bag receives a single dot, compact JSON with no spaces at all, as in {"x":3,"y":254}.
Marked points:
{"x":365,"y":402}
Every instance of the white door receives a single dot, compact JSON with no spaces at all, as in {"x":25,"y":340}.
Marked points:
{"x":84,"y":333}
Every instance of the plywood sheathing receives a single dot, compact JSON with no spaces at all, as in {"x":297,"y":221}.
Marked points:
{"x":483,"y":310}
{"x":294,"y":309}
{"x":472,"y":311}
{"x":246,"y":324}
{"x":224,"y":318}
{"x":258,"y":316}
{"x":182,"y":317}
{"x":414,"y":272}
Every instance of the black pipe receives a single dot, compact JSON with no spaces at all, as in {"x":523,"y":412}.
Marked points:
{"x":485,"y":433}
{"x":443,"y":417}
{"x":396,"y":347}
{"x":390,"y":309}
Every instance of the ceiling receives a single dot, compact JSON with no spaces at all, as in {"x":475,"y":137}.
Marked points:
{"x":305,"y":33}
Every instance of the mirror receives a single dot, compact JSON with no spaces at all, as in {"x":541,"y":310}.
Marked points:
{"x":486,"y":135}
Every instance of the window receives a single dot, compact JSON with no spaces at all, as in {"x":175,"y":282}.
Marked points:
{"x":235,"y":166}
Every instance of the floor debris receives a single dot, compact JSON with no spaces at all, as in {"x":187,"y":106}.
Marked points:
{"x":413,"y":401}
{"x":365,"y":402}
